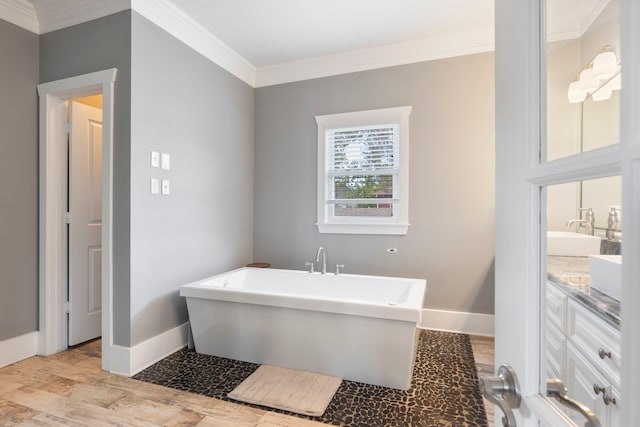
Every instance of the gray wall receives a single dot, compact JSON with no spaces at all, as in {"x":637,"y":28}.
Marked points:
{"x":170,"y":99}
{"x":18,"y":181}
{"x":188,"y":107}
{"x":85,"y":48}
{"x":451,"y":239}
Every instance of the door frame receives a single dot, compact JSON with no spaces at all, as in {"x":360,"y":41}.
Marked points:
{"x":520,"y":71}
{"x":52,"y":335}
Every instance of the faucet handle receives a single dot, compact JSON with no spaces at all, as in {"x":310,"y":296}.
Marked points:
{"x":588,"y":210}
{"x":589,"y":216}
{"x":338,"y":267}
{"x":310,"y":265}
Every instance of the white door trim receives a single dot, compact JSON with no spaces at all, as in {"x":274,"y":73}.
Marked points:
{"x":52,"y":198}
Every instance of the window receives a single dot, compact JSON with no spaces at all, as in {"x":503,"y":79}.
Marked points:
{"x":363,"y":172}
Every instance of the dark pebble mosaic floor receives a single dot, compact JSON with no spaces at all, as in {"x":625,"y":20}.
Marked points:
{"x":444,"y":390}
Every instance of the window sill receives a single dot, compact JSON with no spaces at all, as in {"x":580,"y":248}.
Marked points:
{"x":390,"y":229}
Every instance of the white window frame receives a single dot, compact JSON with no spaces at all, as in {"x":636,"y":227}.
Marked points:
{"x":399,"y":223}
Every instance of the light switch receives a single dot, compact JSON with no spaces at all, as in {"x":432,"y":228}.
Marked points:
{"x":165,"y":187}
{"x":165,"y":162}
{"x":155,"y":159}
{"x":155,"y":186}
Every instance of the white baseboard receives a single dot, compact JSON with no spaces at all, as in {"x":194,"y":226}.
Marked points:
{"x":457,"y":321}
{"x":128,"y":361}
{"x":15,"y":349}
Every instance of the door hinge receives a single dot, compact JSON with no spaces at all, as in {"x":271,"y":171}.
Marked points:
{"x":66,"y":128}
{"x":67,"y":307}
{"x":67,"y":217}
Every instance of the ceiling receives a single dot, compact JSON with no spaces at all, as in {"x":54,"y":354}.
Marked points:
{"x":276,"y":31}
{"x":272,"y":41}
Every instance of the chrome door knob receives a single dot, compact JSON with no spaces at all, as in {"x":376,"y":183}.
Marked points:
{"x":503,"y":391}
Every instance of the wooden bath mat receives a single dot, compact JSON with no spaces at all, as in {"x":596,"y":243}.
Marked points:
{"x":294,"y":391}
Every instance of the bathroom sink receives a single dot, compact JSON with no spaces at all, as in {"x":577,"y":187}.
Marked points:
{"x":566,"y":243}
{"x":606,"y":274}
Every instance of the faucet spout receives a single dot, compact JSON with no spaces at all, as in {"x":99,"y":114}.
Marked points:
{"x":576,"y":221}
{"x":322,"y":251}
{"x":588,"y":222}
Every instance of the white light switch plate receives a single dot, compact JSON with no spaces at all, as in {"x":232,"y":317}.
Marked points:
{"x":155,"y":159}
{"x":165,"y":161}
{"x":155,"y":186}
{"x":165,"y":187}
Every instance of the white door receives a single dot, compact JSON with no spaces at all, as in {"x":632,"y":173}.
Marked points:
{"x":522,"y":175}
{"x":85,"y":228}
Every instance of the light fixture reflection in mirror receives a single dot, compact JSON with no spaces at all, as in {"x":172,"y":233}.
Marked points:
{"x":598,"y":79}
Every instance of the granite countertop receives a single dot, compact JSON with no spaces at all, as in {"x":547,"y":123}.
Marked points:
{"x":571,"y":275}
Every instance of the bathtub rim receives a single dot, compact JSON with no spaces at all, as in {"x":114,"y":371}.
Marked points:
{"x":409,"y":310}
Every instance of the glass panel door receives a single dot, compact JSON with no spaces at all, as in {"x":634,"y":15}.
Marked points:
{"x":581,"y":241}
{"x":547,"y":169}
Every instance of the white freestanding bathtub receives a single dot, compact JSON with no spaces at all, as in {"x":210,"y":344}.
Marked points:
{"x":359,"y":328}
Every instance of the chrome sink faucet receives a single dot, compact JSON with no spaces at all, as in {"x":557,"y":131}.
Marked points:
{"x":613,"y":222}
{"x":322,"y":251}
{"x":588,"y":222}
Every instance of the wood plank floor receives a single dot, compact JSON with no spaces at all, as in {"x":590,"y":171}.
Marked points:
{"x":484,"y":356}
{"x":70,"y":389}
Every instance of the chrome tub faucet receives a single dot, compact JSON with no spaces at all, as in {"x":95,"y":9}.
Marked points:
{"x":322,"y":251}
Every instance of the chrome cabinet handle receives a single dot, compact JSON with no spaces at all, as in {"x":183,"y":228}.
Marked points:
{"x":607,"y":397}
{"x":604,"y":353}
{"x":503,"y":391}
{"x":556,"y":389}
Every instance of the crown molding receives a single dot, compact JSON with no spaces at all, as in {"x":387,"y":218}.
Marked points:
{"x":449,"y":45}
{"x":65,"y":13}
{"x":580,"y":23}
{"x":20,"y":13}
{"x":45,"y":16}
{"x":589,"y":16}
{"x":176,"y":22}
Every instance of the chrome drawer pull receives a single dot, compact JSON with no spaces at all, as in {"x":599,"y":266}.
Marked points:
{"x":607,"y":396}
{"x":603,"y":353}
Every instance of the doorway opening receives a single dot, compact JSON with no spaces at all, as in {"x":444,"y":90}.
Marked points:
{"x":56,"y":171}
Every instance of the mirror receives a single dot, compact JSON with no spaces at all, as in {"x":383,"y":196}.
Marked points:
{"x":583,"y":78}
{"x":582,"y":287}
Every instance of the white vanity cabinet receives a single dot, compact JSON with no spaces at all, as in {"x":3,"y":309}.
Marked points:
{"x":592,"y":363}
{"x":583,"y":350}
{"x":581,"y":376}
{"x":555,"y":334}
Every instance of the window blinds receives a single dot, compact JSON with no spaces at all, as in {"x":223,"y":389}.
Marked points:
{"x":363,"y":163}
{"x":368,"y":150}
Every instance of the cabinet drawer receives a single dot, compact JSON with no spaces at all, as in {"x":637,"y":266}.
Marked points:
{"x":581,"y":377}
{"x":555,"y":343}
{"x":556,"y":306}
{"x":590,"y":334}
